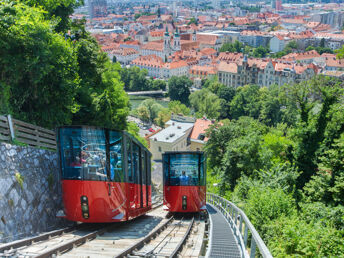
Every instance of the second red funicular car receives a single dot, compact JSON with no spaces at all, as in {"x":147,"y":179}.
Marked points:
{"x":184,"y":181}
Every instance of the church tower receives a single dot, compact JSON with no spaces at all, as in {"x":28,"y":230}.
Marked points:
{"x":194,"y":36}
{"x":176,"y":41}
{"x":166,"y":40}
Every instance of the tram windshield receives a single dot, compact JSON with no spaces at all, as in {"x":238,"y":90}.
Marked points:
{"x":88,"y":154}
{"x":184,"y":169}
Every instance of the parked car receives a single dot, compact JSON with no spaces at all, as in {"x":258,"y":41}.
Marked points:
{"x":151,"y":130}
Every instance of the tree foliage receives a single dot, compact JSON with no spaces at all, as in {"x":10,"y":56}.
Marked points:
{"x":179,"y":88}
{"x":236,"y":47}
{"x":38,"y":65}
{"x":281,"y":159}
{"x":53,"y":71}
{"x":205,"y":103}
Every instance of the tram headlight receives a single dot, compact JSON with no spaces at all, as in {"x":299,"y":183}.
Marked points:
{"x":184,"y":202}
{"x":84,"y":207}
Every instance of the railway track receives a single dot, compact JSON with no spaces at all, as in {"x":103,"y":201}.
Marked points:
{"x":163,"y":235}
{"x":165,"y":241}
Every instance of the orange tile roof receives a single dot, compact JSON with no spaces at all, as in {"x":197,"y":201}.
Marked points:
{"x":227,"y":56}
{"x":330,"y":35}
{"x":125,"y":51}
{"x":294,"y":21}
{"x":202,"y":70}
{"x":228,"y":67}
{"x":157,"y":45}
{"x":131,"y":42}
{"x":150,"y":60}
{"x":253,"y":32}
{"x":208,"y":51}
{"x":145,"y":18}
{"x":157,"y":33}
{"x":199,"y":128}
{"x":188,"y":45}
{"x":301,"y":56}
{"x":207,"y":39}
{"x":334,"y":62}
{"x":175,"y":64}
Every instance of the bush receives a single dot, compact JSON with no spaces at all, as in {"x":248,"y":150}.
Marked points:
{"x":265,"y":204}
{"x":294,"y":237}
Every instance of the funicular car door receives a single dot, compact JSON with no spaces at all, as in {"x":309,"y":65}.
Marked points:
{"x":131,"y":175}
{"x":116,"y":175}
{"x":138,"y":175}
{"x":143,"y":179}
{"x":202,"y":181}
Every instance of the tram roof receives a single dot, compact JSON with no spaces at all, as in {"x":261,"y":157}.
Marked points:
{"x":182,"y":152}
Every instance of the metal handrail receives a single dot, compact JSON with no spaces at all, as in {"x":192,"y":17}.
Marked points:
{"x":239,"y":223}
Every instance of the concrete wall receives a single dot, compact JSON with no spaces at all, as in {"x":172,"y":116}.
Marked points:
{"x":30,"y":194}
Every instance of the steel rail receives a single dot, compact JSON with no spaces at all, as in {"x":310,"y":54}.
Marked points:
{"x":74,"y":243}
{"x":145,"y":239}
{"x":81,"y":240}
{"x":61,"y":248}
{"x":30,"y":241}
{"x":173,"y":228}
{"x":182,"y":242}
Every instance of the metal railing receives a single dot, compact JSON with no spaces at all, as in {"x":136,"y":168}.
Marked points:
{"x":241,"y":226}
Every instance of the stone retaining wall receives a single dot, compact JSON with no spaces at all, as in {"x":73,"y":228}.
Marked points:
{"x":30,"y":193}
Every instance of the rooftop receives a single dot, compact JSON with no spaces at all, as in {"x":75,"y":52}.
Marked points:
{"x":173,"y":132}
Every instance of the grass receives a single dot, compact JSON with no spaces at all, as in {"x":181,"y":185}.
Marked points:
{"x":135,"y":101}
{"x":20,"y":179}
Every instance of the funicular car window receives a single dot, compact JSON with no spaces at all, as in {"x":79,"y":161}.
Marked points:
{"x":202,"y":170}
{"x":83,"y":153}
{"x":136,"y":162}
{"x":166,"y":169}
{"x":183,"y":170}
{"x":129,"y":156}
{"x":116,"y":167}
{"x":144,"y":168}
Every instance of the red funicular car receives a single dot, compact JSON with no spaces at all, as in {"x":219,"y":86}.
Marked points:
{"x":106,"y":174}
{"x":184,"y":181}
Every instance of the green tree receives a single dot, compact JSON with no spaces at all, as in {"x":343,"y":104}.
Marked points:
{"x":291,"y":45}
{"x":112,"y":104}
{"x":260,"y":52}
{"x":136,"y":79}
{"x":193,"y":20}
{"x":152,"y":107}
{"x":143,"y":113}
{"x":164,"y":115}
{"x":158,"y":85}
{"x":177,"y":107}
{"x":133,"y":129}
{"x":246,"y":102}
{"x":59,"y":11}
{"x":340,"y":53}
{"x":226,"y":94}
{"x":4,"y":99}
{"x":322,"y":43}
{"x":179,"y":88}
{"x":235,"y":47}
{"x":315,"y":100}
{"x":38,"y":65}
{"x":205,"y":103}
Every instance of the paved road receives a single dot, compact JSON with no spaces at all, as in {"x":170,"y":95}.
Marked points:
{"x":157,"y":173}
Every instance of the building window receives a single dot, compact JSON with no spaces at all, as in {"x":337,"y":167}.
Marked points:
{"x":159,"y":149}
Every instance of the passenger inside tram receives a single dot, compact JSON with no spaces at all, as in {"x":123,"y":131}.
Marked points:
{"x":183,"y":179}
